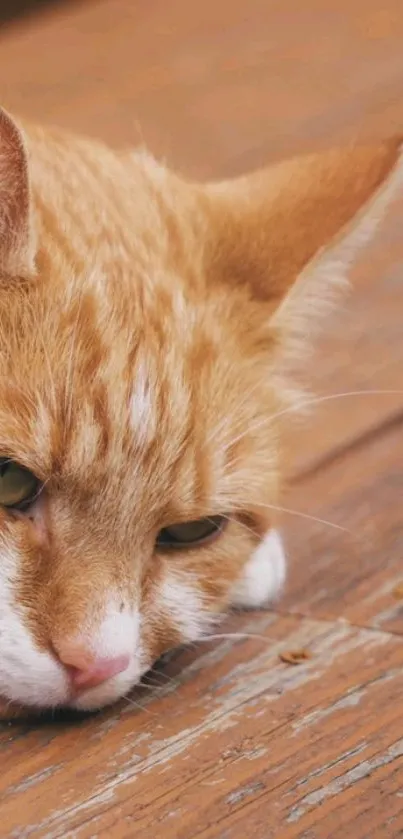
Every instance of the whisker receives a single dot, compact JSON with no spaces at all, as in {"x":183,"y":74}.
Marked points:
{"x":315,"y":400}
{"x":39,"y":491}
{"x":241,"y":523}
{"x":276,"y":508}
{"x":292,"y":409}
{"x":302,"y":515}
{"x":251,"y":429}
{"x":150,"y":687}
{"x":137,"y":705}
{"x":304,"y":403}
{"x":234,"y":636}
{"x":160,"y":673}
{"x":221,"y":426}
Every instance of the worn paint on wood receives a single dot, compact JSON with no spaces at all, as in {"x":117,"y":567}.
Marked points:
{"x":231,"y":741}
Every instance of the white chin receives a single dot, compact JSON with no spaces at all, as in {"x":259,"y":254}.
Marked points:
{"x":95,"y":699}
{"x":263,"y":576}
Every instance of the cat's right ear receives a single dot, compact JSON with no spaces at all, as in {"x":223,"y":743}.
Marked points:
{"x":16,"y":237}
{"x":289,"y":233}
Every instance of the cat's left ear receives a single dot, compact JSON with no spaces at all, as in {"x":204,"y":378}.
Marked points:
{"x":16,"y":238}
{"x":289,"y":232}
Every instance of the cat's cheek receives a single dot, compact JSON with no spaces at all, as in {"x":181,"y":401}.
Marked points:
{"x":184,"y":605}
{"x":28,"y":676}
{"x":263,"y":576}
{"x":177,"y":611}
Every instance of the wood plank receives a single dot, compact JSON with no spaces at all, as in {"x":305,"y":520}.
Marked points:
{"x":237,"y":739}
{"x":217,"y":91}
{"x":354,"y":573}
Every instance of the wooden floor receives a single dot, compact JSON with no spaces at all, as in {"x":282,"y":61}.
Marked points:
{"x":236,"y":742}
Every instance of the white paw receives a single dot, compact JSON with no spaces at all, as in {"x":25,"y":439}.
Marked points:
{"x":263,"y":576}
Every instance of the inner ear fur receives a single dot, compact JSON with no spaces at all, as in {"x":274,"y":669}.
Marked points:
{"x":265,"y":228}
{"x":16,"y":238}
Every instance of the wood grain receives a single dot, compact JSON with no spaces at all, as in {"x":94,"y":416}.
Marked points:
{"x":353,"y":571}
{"x":234,"y":742}
{"x":250,"y":722}
{"x":218,"y":89}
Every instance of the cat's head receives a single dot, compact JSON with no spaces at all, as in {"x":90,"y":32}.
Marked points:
{"x":144,"y":323}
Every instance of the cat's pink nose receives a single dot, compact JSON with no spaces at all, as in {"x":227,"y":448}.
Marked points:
{"x":86,"y":670}
{"x":101,"y":670}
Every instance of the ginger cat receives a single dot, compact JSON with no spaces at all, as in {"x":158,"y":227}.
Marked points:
{"x":144,"y":326}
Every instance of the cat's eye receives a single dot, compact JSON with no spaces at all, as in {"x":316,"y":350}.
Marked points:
{"x":18,"y":486}
{"x":191,"y":533}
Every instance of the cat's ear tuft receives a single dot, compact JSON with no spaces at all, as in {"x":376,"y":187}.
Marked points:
{"x":291,"y":231}
{"x":16,"y":245}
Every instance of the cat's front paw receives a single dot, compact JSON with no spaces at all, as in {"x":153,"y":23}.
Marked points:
{"x":263,"y":576}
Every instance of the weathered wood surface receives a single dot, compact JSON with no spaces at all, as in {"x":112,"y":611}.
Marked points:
{"x":238,"y":744}
{"x":235,"y":742}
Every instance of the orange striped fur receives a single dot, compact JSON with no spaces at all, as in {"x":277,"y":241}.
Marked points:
{"x":144,"y":324}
